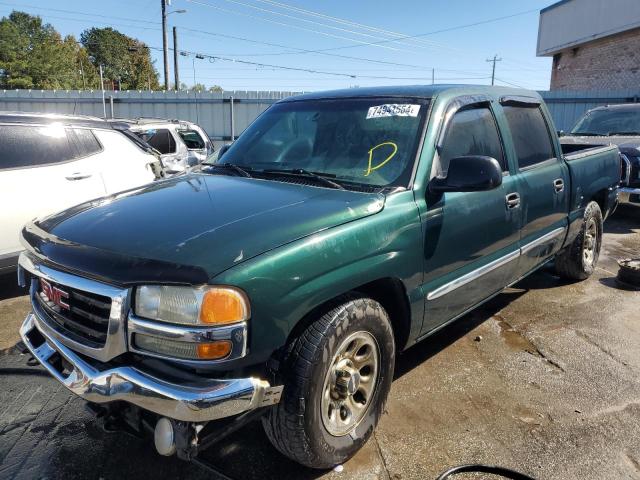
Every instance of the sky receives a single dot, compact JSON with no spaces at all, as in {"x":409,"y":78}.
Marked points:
{"x":304,"y":45}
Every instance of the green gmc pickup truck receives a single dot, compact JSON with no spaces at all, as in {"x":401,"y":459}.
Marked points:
{"x":283,"y":279}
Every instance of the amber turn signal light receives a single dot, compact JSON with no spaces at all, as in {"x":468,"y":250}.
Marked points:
{"x":222,"y":306}
{"x":215,"y":350}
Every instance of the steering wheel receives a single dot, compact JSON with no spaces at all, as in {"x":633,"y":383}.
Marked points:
{"x":295,"y":151}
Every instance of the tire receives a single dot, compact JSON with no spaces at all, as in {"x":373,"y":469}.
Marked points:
{"x":315,"y":382}
{"x":578,"y":261}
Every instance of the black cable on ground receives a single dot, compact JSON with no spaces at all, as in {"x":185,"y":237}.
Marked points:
{"x":491,"y":469}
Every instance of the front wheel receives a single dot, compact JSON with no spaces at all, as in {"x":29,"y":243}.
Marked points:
{"x":336,"y":380}
{"x":578,"y":261}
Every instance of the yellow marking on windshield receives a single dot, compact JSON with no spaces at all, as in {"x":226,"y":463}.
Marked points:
{"x":385,"y":161}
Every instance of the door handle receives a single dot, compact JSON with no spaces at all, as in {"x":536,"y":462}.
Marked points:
{"x":513,"y":200}
{"x":558,"y":185}
{"x":78,"y":176}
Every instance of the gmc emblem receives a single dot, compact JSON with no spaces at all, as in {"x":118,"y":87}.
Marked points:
{"x":54,"y":294}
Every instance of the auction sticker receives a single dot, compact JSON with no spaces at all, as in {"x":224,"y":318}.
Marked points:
{"x":393,"y":110}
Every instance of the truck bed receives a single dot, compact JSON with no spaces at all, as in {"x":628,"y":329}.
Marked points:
{"x":592,"y":169}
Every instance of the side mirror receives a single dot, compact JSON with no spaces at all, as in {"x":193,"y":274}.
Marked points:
{"x":561,"y":133}
{"x":473,"y":173}
{"x":223,"y":150}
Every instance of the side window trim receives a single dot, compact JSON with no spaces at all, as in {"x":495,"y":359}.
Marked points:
{"x":456,"y":105}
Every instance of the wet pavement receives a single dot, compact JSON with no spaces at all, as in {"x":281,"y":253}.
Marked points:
{"x":544,"y":379}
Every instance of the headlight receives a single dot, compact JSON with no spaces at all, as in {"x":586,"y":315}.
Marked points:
{"x":210,"y":306}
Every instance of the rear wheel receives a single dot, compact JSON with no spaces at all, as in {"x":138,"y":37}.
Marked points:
{"x":336,"y":380}
{"x":578,"y":261}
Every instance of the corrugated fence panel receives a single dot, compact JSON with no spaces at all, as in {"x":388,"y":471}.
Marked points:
{"x":567,"y":107}
{"x":212,"y":110}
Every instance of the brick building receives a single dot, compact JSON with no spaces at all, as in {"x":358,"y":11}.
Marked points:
{"x":595,"y":44}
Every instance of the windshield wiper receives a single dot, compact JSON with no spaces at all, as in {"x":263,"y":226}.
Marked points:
{"x":319,"y":177}
{"x":243,"y":171}
{"x":631,"y":132}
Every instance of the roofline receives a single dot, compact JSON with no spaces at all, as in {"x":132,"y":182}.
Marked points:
{"x":554,"y":5}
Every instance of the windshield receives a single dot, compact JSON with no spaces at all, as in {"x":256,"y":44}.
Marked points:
{"x":609,"y":122}
{"x":370,"y":141}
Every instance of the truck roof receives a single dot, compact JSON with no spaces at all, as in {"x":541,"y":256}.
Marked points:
{"x":417,"y":91}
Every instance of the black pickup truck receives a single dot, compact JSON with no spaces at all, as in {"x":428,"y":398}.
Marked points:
{"x":612,"y":125}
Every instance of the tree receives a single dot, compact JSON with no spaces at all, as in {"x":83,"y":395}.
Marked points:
{"x":126,"y":61}
{"x":34,"y":55}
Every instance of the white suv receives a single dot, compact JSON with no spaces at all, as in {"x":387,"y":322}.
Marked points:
{"x":182,"y":144}
{"x":52,"y":162}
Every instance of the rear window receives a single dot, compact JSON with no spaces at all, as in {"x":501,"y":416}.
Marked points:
{"x":31,"y":146}
{"x":160,"y":139}
{"x":192,"y":139}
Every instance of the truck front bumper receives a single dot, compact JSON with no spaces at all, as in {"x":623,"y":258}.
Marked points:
{"x":208,"y":400}
{"x":629,"y":196}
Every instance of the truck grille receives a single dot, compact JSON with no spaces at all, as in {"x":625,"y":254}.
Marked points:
{"x":80,"y":315}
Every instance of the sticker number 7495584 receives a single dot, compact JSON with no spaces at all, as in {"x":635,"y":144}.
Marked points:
{"x":393,"y":110}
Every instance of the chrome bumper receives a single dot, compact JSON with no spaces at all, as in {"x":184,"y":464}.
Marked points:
{"x":624,"y":194}
{"x":208,"y":400}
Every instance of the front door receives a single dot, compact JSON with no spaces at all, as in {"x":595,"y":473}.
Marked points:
{"x":471,"y":239}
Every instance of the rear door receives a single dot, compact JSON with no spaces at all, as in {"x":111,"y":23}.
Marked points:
{"x":471,"y":238}
{"x":40,"y":174}
{"x":542,"y":180}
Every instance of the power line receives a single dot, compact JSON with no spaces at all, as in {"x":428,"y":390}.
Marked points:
{"x":319,"y":32}
{"x":325,"y":25}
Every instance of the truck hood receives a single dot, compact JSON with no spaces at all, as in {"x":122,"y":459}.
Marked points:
{"x":208,"y":222}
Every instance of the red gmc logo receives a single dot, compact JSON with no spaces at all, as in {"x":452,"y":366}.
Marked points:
{"x":54,"y":294}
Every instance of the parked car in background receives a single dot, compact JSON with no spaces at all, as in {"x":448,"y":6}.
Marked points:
{"x":182,"y":144}
{"x":613,"y":125}
{"x":52,"y":162}
{"x":283,"y":279}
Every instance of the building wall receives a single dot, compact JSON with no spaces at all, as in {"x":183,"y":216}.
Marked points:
{"x":612,"y":62}
{"x":569,"y":23}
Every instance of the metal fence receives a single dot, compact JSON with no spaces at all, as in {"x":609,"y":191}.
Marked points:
{"x":567,"y":106}
{"x":224,"y":115}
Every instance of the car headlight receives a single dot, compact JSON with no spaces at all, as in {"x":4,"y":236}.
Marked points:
{"x":206,"y":306}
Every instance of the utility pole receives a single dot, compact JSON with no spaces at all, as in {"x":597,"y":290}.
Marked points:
{"x":175,"y":59}
{"x":493,"y":71}
{"x":165,"y":47}
{"x":433,"y":76}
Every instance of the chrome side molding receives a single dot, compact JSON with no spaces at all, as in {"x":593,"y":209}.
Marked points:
{"x":489,"y":267}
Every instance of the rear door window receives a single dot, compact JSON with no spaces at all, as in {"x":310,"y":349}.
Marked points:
{"x":34,"y":145}
{"x":472,"y":131}
{"x":161,"y":139}
{"x":530,"y":134}
{"x":192,"y":139}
